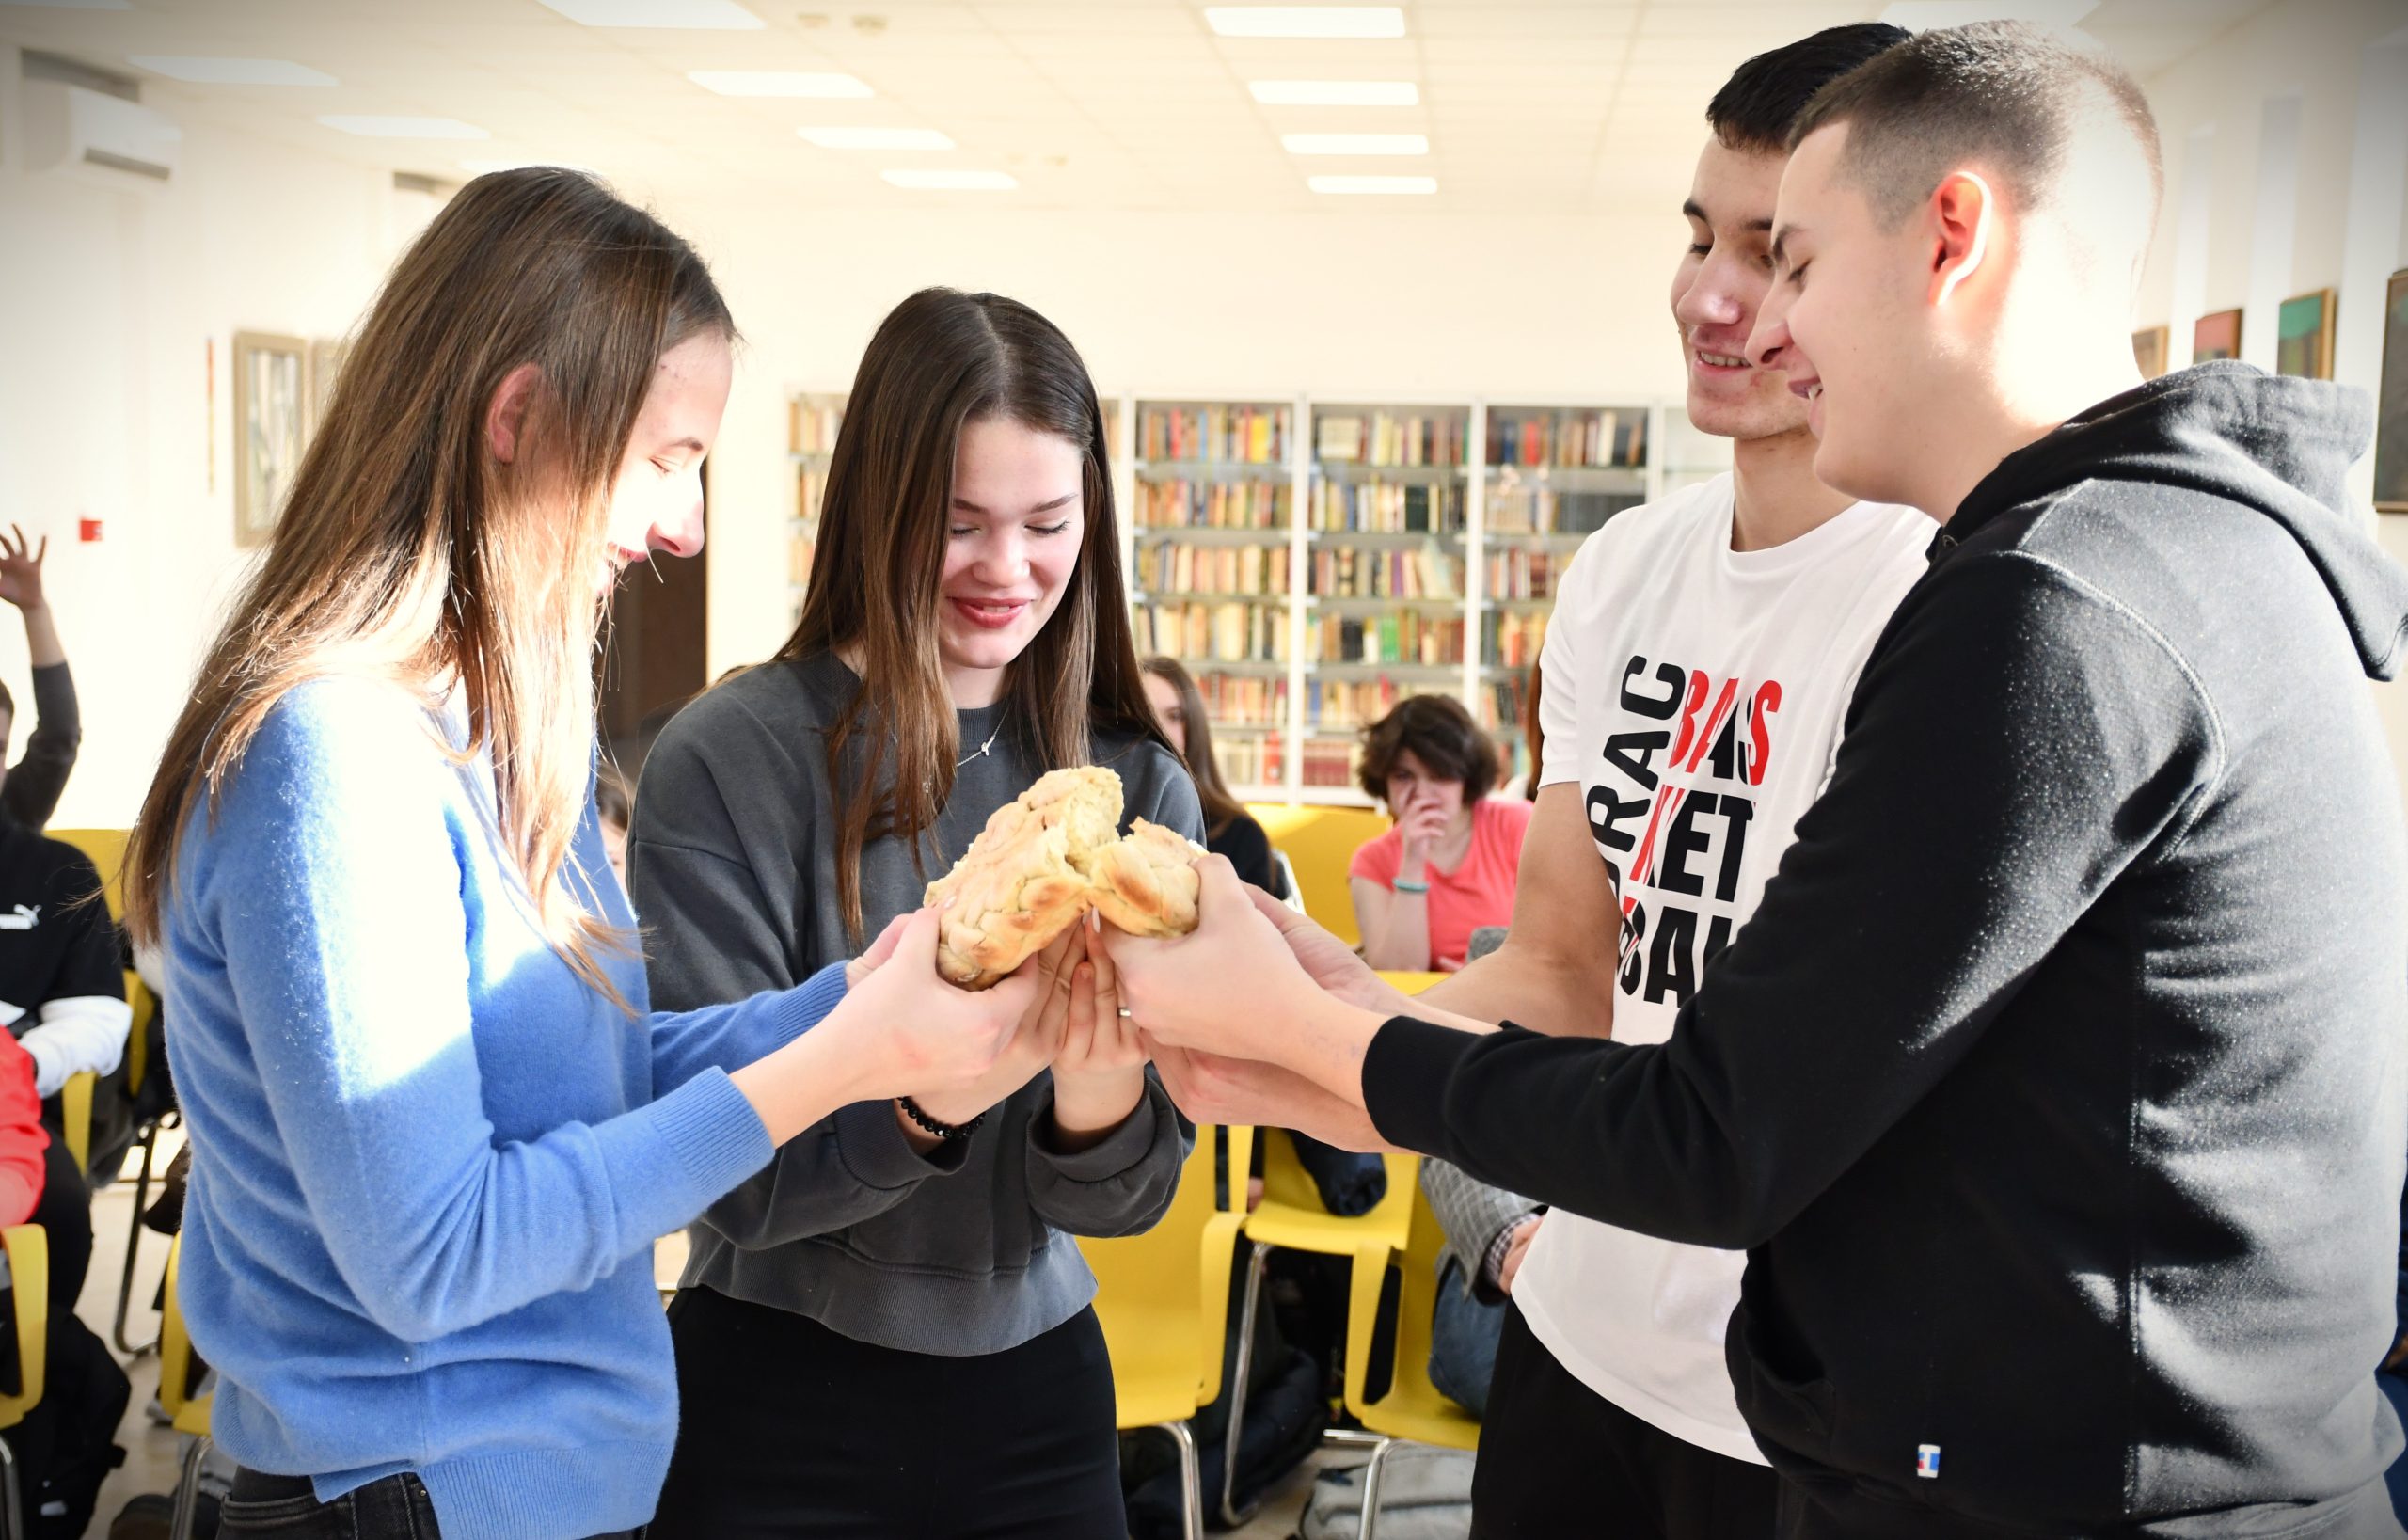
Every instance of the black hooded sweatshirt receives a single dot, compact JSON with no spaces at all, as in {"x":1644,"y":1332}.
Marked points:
{"x":2055,"y":1088}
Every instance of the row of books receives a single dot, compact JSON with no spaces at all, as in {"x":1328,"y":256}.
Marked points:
{"x":809,"y":491}
{"x":1567,"y":438}
{"x":1408,"y":636}
{"x":1501,"y":702}
{"x":1511,"y":641}
{"x":1243,"y":700}
{"x":1385,"y":439}
{"x":1233,"y":631}
{"x":799,"y":555}
{"x":1328,"y":762}
{"x":1172,"y":567}
{"x":1544,"y":510}
{"x":1518,"y":572}
{"x":1363,"y":572}
{"x":1252,"y":761}
{"x":1346,"y":704}
{"x":810,"y":425}
{"x":1242,"y":434}
{"x":1386,"y":507}
{"x":1212,"y":506}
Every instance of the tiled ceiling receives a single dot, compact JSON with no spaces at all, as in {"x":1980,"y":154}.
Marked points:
{"x":1530,"y":106}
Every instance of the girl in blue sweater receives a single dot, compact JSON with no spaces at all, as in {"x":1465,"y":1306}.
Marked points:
{"x":434,"y":1129}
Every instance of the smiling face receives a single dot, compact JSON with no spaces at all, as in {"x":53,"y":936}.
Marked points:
{"x":656,"y":501}
{"x":1846,"y":315}
{"x":1015,"y":530}
{"x":1716,"y":293}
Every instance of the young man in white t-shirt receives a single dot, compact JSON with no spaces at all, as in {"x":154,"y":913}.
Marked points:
{"x":1702,"y":652}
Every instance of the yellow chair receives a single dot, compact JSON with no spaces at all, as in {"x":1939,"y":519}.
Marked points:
{"x":106,"y":850}
{"x":186,"y":1412}
{"x":1164,"y":1301}
{"x":1412,"y":1410}
{"x":28,"y":1249}
{"x":1321,"y":842}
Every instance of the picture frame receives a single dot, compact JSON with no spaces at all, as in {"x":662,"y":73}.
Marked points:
{"x":2391,"y":402}
{"x":2303,"y":333}
{"x":2149,"y":344}
{"x":2216,"y":336}
{"x":270,"y":426}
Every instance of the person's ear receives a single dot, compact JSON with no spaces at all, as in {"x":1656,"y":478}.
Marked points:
{"x":1961,"y":212}
{"x":506,"y":414}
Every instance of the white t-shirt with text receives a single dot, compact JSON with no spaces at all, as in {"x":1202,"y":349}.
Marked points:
{"x":1696,"y":695}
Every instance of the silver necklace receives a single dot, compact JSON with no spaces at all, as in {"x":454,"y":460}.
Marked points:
{"x":980,"y":752}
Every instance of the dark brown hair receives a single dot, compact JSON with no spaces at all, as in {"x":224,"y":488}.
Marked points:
{"x":2003,"y":95}
{"x":942,"y":360}
{"x":1221,"y":807}
{"x":408,"y":552}
{"x":1441,"y":733}
{"x":1752,"y":111}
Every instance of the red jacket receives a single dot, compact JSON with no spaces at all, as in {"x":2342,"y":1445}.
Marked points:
{"x":23,"y":1138}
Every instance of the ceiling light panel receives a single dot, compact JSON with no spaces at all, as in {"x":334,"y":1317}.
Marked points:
{"x":875,"y":139}
{"x":1335,"y":93}
{"x":370,"y":126}
{"x":675,"y":15}
{"x":1305,"y":21}
{"x":1374,"y":185}
{"x":1356,"y":144}
{"x":780,"y":83}
{"x":930,"y":179}
{"x":218,"y":71}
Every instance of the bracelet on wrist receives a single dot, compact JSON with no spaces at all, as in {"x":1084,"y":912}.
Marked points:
{"x":934,"y":1129}
{"x":1403,"y":886}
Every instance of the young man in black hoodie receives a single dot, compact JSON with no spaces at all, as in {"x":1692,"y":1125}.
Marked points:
{"x":2055,"y":1087}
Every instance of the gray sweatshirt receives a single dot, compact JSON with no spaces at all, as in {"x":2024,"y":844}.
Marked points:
{"x":732,"y":863}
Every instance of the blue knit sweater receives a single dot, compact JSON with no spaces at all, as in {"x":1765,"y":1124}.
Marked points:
{"x":429,"y":1162}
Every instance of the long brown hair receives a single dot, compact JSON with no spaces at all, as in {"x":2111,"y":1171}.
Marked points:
{"x":942,"y":360}
{"x":1221,"y":807}
{"x":409,"y":552}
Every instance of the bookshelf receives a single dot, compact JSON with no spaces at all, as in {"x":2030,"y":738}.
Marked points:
{"x":1314,"y":562}
{"x":812,"y":418}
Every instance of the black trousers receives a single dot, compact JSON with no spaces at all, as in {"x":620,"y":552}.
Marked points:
{"x":788,"y":1431}
{"x":1557,"y":1461}
{"x":284,"y":1507}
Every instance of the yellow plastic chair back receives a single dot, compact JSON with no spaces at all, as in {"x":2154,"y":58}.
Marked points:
{"x":1320,"y":843}
{"x":107,"y":849}
{"x":1412,"y":1407}
{"x":106,"y":846}
{"x":1291,"y":1214}
{"x":190,"y":1412}
{"x":27,"y":1248}
{"x":1164,"y":1296}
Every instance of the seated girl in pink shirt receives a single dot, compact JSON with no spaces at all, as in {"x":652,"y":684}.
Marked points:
{"x":1448,"y":866}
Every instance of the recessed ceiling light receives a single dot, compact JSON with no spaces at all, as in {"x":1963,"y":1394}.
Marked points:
{"x":1925,"y":15}
{"x":208,"y":71}
{"x":875,"y":139}
{"x":778,"y":82}
{"x":689,"y":15}
{"x":372,"y":127}
{"x":1335,"y":93}
{"x":1356,"y":144}
{"x":1372,"y":184}
{"x":1305,"y":21}
{"x":930,"y":179}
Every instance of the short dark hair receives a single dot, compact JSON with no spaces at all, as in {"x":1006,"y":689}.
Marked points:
{"x":1441,"y":733}
{"x":1755,"y":106}
{"x":2002,"y":94}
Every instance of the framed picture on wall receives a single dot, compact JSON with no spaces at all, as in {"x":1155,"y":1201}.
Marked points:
{"x":2216,"y":336}
{"x":2391,"y":402}
{"x":2149,"y":351}
{"x":2303,"y":331}
{"x":271,"y":406}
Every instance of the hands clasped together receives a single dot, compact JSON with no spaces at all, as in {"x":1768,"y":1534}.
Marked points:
{"x":1258,"y":1016}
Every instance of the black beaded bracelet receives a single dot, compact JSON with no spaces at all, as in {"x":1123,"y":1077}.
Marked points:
{"x":936,"y":1129}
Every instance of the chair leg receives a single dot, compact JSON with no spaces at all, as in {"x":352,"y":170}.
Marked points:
{"x":1372,"y":1488}
{"x":188,"y":1490}
{"x":134,"y":1245}
{"x":1190,"y":1482}
{"x":1230,"y":1514}
{"x":12,"y":1501}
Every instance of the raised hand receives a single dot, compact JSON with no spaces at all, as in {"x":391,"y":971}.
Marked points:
{"x":20,"y":569}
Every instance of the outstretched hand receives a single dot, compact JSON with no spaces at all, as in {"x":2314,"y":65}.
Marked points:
{"x":1210,"y":1089}
{"x":1330,"y":961}
{"x":1231,"y":986}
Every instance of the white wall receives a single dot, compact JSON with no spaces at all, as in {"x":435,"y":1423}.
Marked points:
{"x":108,"y":299}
